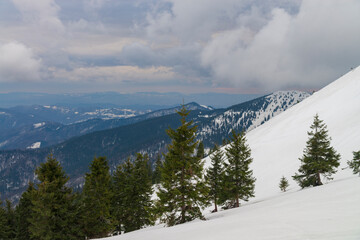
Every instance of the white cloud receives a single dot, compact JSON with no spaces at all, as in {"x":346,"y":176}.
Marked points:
{"x":306,"y":50}
{"x":18,"y":63}
{"x":115,"y":74}
{"x":43,"y":13}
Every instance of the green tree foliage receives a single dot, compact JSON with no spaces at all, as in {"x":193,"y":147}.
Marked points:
{"x":319,"y":157}
{"x":97,"y":200}
{"x":200,"y":152}
{"x":183,"y":191}
{"x":10,"y":220}
{"x":215,"y":176}
{"x":23,"y":212}
{"x":284,"y":184}
{"x":52,"y":213}
{"x":156,"y":177}
{"x":4,"y":229}
{"x":132,"y":205}
{"x":355,"y":163}
{"x":240,"y":183}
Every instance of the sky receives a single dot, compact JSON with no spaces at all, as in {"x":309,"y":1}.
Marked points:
{"x":188,"y":46}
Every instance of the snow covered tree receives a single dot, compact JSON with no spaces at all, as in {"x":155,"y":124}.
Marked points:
{"x":239,"y":181}
{"x":52,"y":214}
{"x":284,"y":184}
{"x":319,"y":157}
{"x":97,"y":197}
{"x":355,"y":163}
{"x":183,"y":191}
{"x":131,"y":204}
{"x":215,"y":175}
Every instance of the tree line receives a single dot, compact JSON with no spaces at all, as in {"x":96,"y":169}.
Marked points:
{"x":124,"y":201}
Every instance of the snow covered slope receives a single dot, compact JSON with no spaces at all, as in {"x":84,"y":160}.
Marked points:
{"x":327,"y":212}
{"x":277,"y":145}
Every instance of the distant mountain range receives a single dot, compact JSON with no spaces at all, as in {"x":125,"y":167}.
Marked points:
{"x":140,"y":100}
{"x":147,"y":136}
{"x":37,"y":126}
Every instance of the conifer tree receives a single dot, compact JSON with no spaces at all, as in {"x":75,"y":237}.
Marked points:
{"x":240,"y":183}
{"x":3,"y":223}
{"x":355,"y":163}
{"x":10,"y":220}
{"x":284,"y":184}
{"x":183,"y":190}
{"x":132,"y":205}
{"x":23,"y":213}
{"x":156,"y":177}
{"x":121,"y":187}
{"x":97,"y":200}
{"x":51,"y":215}
{"x":319,"y":157}
{"x":200,"y":152}
{"x":215,"y":176}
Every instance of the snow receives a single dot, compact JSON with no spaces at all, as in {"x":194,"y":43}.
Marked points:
{"x":35,"y":145}
{"x":328,"y":212}
{"x":37,"y":125}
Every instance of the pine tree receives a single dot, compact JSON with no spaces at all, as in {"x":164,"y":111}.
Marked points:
{"x":156,"y":177}
{"x":240,"y":183}
{"x":319,"y":157}
{"x":52,"y":216}
{"x":183,"y":191}
{"x":200,"y":152}
{"x":3,"y":223}
{"x":355,"y":163}
{"x":10,"y":220}
{"x":284,"y":184}
{"x":132,"y":205}
{"x":215,"y":175}
{"x":23,"y":213}
{"x":97,"y":200}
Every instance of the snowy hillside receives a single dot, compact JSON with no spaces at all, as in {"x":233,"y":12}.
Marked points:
{"x":327,"y":212}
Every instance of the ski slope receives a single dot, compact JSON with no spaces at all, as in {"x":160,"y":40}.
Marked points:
{"x":328,"y":212}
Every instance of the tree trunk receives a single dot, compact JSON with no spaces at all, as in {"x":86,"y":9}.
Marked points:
{"x":237,"y":201}
{"x":318,"y":179}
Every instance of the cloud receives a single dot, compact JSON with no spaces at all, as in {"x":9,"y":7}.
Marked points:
{"x":43,"y":13}
{"x":18,"y":63}
{"x":304,"y":50}
{"x":115,"y":74}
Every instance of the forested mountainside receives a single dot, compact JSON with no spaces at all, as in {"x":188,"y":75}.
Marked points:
{"x":149,"y":136}
{"x":37,"y":131}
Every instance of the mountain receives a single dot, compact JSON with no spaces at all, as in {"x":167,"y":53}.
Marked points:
{"x":139,"y":100}
{"x":148,"y":136}
{"x":326,"y":212}
{"x":44,"y":132}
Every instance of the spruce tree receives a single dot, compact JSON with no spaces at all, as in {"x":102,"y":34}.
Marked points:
{"x":284,"y":184}
{"x":319,"y":157}
{"x":215,"y":176}
{"x":4,"y":229}
{"x":132,"y":205}
{"x":200,"y":152}
{"x":51,"y":215}
{"x":97,"y":200}
{"x":183,"y":190}
{"x":156,"y":177}
{"x":23,"y":213}
{"x":240,"y":183}
{"x":355,"y":163}
{"x":10,"y":220}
